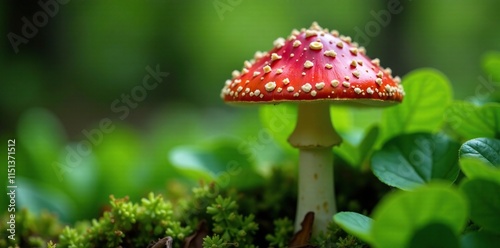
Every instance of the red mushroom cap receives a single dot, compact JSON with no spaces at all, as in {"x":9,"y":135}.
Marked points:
{"x":313,"y":65}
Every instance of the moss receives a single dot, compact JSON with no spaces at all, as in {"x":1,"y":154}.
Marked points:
{"x":31,"y":230}
{"x":128,"y":224}
{"x":337,"y":238}
{"x":283,"y":231}
{"x":258,"y":217}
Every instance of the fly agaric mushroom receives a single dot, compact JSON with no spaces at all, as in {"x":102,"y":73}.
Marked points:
{"x":314,"y":67}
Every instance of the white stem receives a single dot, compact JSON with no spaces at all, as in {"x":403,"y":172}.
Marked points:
{"x":315,"y":136}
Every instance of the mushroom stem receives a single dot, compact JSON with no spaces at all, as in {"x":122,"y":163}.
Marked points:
{"x":314,"y":136}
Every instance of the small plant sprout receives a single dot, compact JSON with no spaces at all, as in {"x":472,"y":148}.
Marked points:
{"x":313,"y":68}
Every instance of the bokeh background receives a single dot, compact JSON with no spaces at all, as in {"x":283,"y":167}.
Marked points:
{"x":68,"y":66}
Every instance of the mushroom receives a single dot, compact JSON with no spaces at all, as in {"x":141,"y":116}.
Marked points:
{"x":313,"y":68}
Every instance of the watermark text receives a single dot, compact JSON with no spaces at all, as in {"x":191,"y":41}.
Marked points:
{"x":11,"y":188}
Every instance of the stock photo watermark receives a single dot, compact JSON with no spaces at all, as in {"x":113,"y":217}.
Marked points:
{"x":121,"y":106}
{"x":11,"y":188}
{"x":485,"y":88}
{"x":381,"y":19}
{"x":30,"y":26}
{"x":223,"y":6}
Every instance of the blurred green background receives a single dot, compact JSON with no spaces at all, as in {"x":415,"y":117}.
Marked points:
{"x":68,"y":66}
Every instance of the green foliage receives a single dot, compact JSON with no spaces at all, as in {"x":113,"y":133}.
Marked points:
{"x":218,"y":161}
{"x":433,"y":203}
{"x":480,"y":239}
{"x":112,"y":50}
{"x":128,"y":224}
{"x":428,"y":93}
{"x":337,"y":238}
{"x":484,"y":149}
{"x":230,"y":225}
{"x":31,"y":230}
{"x":283,"y":230}
{"x":280,"y":121}
{"x":259,"y":222}
{"x":414,"y":159}
{"x":41,"y":134}
{"x":434,"y":235}
{"x":354,"y":223}
{"x":468,"y":121}
{"x":474,"y":168}
{"x":356,"y":154}
{"x":70,"y":177}
{"x":215,"y":241}
{"x":411,"y":153}
{"x":491,"y":65}
{"x":434,"y":214}
{"x":485,"y":205}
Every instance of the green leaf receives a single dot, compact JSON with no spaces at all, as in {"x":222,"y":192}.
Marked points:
{"x":348,"y":152}
{"x":280,"y":121}
{"x":484,"y":149}
{"x":484,"y":202}
{"x":220,"y":161}
{"x":368,"y":143}
{"x":348,"y":119}
{"x":40,"y":133}
{"x":434,"y":235}
{"x":410,"y":160}
{"x":491,"y":65}
{"x":79,"y":176}
{"x":37,"y":196}
{"x":481,"y":239}
{"x":428,"y":93}
{"x":400,"y":215}
{"x":189,"y":158}
{"x":355,"y":154}
{"x":355,"y":224}
{"x":474,"y":168}
{"x":469,"y":121}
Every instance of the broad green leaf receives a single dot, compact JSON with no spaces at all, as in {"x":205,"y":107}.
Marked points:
{"x":220,"y":161}
{"x":484,"y":149}
{"x":491,"y":65}
{"x":41,"y":134}
{"x":79,"y":175}
{"x":484,"y":201}
{"x":410,"y":160}
{"x":348,"y":152}
{"x":368,"y":142}
{"x":434,"y":235}
{"x":355,"y":154}
{"x":428,"y":93}
{"x":348,"y":119}
{"x":399,"y":216}
{"x":38,"y":196}
{"x":481,"y":239}
{"x":279,"y":120}
{"x":194,"y":159}
{"x":355,"y":224}
{"x":470,"y":121}
{"x":475,"y":168}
